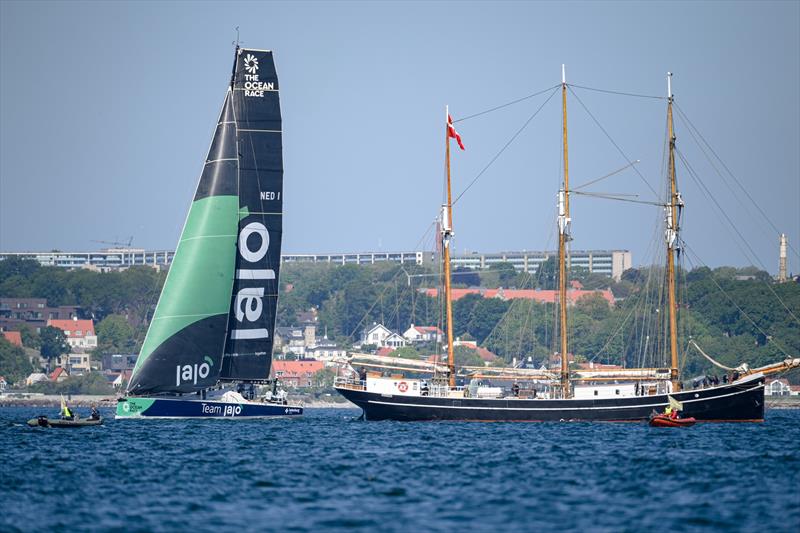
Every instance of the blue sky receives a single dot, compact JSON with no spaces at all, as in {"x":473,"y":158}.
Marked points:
{"x":108,"y":108}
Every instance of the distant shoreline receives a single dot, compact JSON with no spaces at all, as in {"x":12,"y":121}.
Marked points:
{"x":783,"y":402}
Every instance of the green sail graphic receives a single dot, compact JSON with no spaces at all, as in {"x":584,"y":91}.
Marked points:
{"x":183,"y":348}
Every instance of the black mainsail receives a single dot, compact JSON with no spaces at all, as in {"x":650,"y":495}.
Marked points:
{"x":251,"y":322}
{"x":216,"y":314}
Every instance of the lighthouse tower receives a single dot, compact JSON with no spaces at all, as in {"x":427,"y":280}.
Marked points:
{"x":782,"y":264}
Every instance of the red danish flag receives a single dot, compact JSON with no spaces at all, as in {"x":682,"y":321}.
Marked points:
{"x":452,"y":133}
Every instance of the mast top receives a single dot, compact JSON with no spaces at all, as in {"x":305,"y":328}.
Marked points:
{"x":563,"y":74}
{"x":236,"y":42}
{"x":669,"y":85}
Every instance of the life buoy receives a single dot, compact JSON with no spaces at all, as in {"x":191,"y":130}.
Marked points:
{"x":402,"y":386}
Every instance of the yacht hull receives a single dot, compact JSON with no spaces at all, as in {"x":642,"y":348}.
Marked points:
{"x":141,"y":407}
{"x":742,"y":401}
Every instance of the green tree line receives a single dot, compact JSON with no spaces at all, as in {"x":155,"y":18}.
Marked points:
{"x":735,"y":320}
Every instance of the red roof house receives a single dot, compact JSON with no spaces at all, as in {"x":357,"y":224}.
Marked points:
{"x":59,"y":374}
{"x":14,"y":337}
{"x":296,"y":373}
{"x":79,"y":333}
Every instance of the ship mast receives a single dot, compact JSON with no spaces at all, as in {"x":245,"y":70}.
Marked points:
{"x":563,"y":239}
{"x":447,"y":235}
{"x":672,"y":241}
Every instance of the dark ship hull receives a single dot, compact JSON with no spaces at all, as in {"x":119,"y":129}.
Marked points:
{"x":742,"y":401}
{"x":137,"y":407}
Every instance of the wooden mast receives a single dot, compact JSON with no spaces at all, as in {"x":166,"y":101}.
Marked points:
{"x":447,"y":234}
{"x":563,"y":238}
{"x":671,"y":236}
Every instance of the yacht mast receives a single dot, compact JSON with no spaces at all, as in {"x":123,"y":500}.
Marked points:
{"x":671,"y":236}
{"x":563,"y":239}
{"x":447,"y":234}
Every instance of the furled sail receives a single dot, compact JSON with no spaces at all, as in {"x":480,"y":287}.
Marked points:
{"x":252,"y":305}
{"x":182,"y":351}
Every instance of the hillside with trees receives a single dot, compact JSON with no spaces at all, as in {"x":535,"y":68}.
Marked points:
{"x":736,"y":315}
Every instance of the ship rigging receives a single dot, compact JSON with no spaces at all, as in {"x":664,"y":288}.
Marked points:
{"x":619,"y":394}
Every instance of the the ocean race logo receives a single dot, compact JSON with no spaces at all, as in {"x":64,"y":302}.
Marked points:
{"x":249,"y":305}
{"x":251,"y":63}
{"x":252,"y":85}
{"x":191,"y":373}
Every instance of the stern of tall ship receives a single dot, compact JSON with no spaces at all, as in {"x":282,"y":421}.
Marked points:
{"x":137,"y":408}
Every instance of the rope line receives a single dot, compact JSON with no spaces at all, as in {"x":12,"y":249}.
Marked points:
{"x":604,"y":177}
{"x":767,"y":337}
{"x":619,"y":93}
{"x":518,"y":100}
{"x":503,"y":149}
{"x":627,"y":159}
{"x":711,"y":359}
{"x":617,"y":198}
{"x":689,"y":122}
{"x":704,"y":149}
{"x":708,"y":194}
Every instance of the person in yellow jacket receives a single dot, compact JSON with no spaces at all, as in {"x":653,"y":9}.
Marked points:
{"x":66,"y":412}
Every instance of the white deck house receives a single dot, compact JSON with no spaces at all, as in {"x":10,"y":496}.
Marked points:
{"x":423,"y":334}
{"x":326,"y":351}
{"x":779,"y":387}
{"x":382,"y":337}
{"x":395,"y":340}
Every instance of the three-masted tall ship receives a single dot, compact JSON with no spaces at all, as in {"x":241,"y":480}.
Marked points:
{"x":625,"y":394}
{"x":209,"y":344}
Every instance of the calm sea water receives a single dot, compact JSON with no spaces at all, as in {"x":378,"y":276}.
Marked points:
{"x":330,"y":472}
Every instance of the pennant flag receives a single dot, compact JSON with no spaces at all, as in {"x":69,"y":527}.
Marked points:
{"x":452,"y":133}
{"x":675,"y":404}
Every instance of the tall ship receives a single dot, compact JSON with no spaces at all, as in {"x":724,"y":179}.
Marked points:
{"x":208,"y":349}
{"x":391,"y":388}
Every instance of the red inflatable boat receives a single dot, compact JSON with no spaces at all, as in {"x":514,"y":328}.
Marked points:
{"x":663,"y":421}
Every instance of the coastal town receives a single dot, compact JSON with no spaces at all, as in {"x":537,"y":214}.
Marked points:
{"x":62,"y":342}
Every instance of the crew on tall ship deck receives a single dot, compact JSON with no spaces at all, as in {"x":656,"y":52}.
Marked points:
{"x":362,"y":374}
{"x":515,"y":389}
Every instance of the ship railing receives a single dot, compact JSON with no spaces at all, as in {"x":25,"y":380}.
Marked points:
{"x":349,"y":383}
{"x":443,"y":391}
